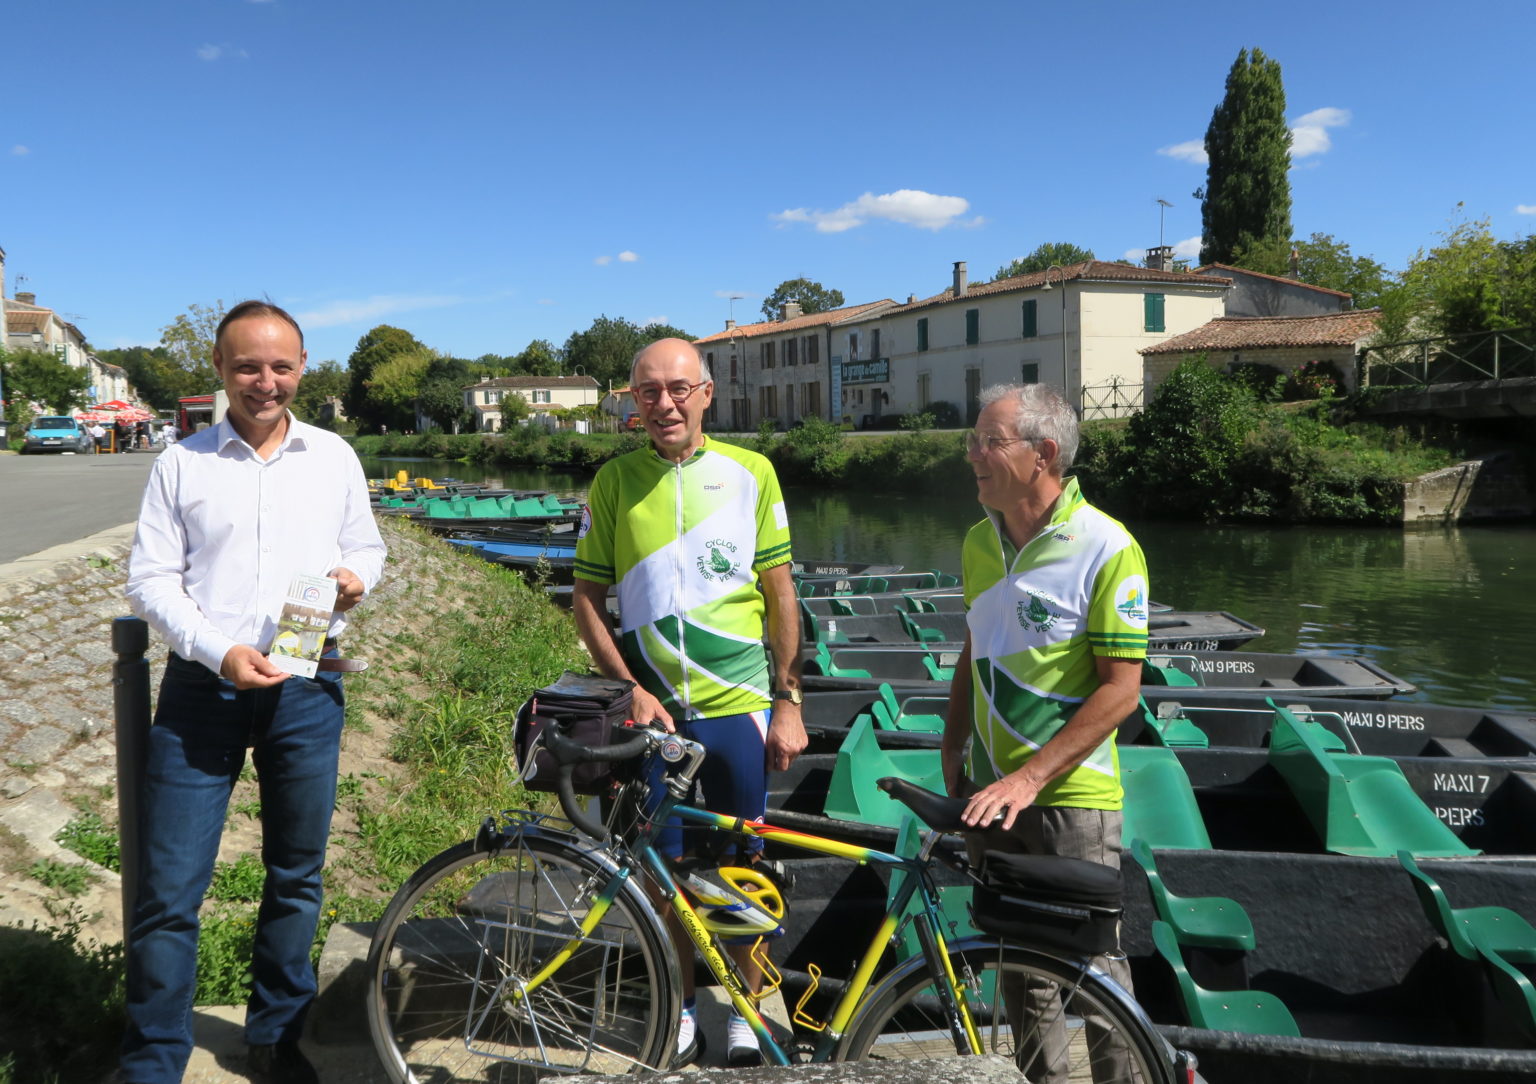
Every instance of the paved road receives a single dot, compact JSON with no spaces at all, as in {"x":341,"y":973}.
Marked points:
{"x":48,"y":500}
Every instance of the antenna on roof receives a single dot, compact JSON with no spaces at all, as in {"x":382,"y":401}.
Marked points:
{"x":1162,"y":209}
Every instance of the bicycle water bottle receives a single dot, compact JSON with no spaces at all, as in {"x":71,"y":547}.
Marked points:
{"x":747,"y":906}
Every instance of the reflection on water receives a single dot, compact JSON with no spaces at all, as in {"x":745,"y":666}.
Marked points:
{"x":1447,"y":610}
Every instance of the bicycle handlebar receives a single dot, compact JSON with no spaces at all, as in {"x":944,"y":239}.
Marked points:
{"x":568,"y":753}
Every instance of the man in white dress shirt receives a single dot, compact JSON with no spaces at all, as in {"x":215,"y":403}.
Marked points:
{"x":230,"y":516}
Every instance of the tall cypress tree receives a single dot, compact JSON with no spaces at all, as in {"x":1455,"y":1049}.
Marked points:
{"x":1246,"y":202}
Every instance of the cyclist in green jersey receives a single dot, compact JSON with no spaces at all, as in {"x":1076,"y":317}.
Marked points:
{"x":695,"y":536}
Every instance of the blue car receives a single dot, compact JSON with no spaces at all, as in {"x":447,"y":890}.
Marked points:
{"x":56,"y":434}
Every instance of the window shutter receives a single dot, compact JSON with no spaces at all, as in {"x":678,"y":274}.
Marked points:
{"x":1153,"y":306}
{"x":972,"y":327}
{"x":1031,"y":328}
{"x":922,"y":334}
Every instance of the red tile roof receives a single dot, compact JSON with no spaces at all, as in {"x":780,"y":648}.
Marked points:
{"x":1226,"y":267}
{"x":1250,"y":332}
{"x":776,"y":327}
{"x":1087,"y":271}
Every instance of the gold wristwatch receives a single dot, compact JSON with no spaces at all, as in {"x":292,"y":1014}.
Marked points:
{"x":792,"y":695}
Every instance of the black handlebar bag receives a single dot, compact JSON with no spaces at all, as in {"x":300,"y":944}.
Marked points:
{"x":589,"y":709}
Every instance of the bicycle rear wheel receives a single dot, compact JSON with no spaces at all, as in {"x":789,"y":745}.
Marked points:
{"x":449,"y":967}
{"x":1056,"y":1024}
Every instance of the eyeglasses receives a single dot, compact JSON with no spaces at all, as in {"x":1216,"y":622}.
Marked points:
{"x":679,"y":393}
{"x":981,"y":442}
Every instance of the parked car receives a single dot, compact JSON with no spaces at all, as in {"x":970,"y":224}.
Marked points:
{"x":53,"y":433}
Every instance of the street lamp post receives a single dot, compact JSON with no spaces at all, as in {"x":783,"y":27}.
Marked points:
{"x":1062,"y":281}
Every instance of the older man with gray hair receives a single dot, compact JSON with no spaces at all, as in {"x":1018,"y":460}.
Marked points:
{"x":1056,"y":631}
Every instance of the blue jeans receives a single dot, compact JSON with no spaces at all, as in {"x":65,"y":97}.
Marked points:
{"x":202,"y":728}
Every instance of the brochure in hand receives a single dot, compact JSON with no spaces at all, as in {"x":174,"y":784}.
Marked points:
{"x":301,"y":627}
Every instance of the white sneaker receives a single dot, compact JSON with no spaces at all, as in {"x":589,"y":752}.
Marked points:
{"x":690,"y":1041}
{"x":741,"y":1044}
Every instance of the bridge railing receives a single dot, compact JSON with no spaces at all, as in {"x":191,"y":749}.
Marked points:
{"x":1483,"y":355}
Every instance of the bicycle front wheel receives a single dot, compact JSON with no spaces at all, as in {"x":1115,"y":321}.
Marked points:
{"x":1057,"y":1024}
{"x":458,"y":986}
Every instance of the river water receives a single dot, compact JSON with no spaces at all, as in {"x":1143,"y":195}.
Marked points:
{"x":1449,"y":610}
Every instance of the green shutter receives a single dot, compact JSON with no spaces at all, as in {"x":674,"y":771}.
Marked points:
{"x":922,"y":334}
{"x":1031,"y":329}
{"x":972,"y":327}
{"x":1031,"y":372}
{"x":1152,"y":305}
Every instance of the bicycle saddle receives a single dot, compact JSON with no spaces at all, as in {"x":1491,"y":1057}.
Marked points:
{"x":934,"y":810}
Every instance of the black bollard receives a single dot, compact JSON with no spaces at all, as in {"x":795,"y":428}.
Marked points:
{"x":130,"y":706}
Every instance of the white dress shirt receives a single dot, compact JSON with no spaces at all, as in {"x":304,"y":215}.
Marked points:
{"x":222,"y":533}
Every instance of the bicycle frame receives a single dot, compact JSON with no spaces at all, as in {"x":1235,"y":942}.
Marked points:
{"x":909,"y":878}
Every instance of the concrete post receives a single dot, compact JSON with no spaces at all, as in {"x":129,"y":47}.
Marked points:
{"x":130,"y":704}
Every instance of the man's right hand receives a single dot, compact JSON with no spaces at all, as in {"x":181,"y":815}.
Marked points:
{"x":250,"y":669}
{"x":647,"y":709}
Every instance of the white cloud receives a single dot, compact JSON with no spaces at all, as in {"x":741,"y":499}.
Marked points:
{"x":21,"y":150}
{"x":1525,"y":208}
{"x":1309,"y":135}
{"x":354,"y":311}
{"x":212,"y":52}
{"x":1187,"y":249}
{"x":907,"y":206}
{"x":1191,"y":150}
{"x":649,"y":320}
{"x":603,"y":261}
{"x":546,"y":301}
{"x":627,"y":256}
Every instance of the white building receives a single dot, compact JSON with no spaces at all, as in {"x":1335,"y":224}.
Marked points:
{"x":30,"y":326}
{"x":542,"y":393}
{"x":1081,"y":328}
{"x":780,"y":370}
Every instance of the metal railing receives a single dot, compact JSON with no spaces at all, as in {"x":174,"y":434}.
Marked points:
{"x":1482,"y":355}
{"x":1115,"y":398}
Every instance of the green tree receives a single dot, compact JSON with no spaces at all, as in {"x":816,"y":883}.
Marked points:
{"x":1328,"y":263}
{"x":813,"y":297}
{"x":41,"y":377}
{"x":156,"y":375}
{"x":189,"y":340}
{"x":373,"y":350}
{"x":652,"y":332}
{"x":1060,"y":253}
{"x":395,"y":384}
{"x":442,"y":400}
{"x":319,"y":383}
{"x":539,"y":358}
{"x":604,"y":350}
{"x":1247,"y":193}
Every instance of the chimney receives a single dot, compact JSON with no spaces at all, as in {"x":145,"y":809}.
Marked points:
{"x":26,"y":298}
{"x":911,"y":299}
{"x":730,"y":325}
{"x":790,"y":310}
{"x":1160,"y":258}
{"x":961,"y":285}
{"x":1295,"y":262}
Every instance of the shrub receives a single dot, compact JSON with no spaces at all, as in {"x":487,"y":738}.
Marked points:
{"x":67,"y":1023}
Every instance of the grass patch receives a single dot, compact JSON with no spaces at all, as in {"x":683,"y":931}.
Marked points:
{"x":64,"y":878}
{"x":91,"y":837}
{"x":240,"y":881}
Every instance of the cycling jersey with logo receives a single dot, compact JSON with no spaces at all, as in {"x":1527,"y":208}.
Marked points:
{"x":685,"y":542}
{"x":1037,"y":618}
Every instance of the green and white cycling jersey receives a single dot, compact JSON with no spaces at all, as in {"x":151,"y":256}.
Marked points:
{"x":1037,"y":617}
{"x":685,"y":542}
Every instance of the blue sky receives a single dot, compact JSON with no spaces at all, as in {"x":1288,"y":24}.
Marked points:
{"x":486,"y":173}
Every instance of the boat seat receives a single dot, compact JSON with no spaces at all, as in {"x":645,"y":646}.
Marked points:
{"x":1280,"y":683}
{"x":1496,"y":937}
{"x":1469,"y":929}
{"x":1358,"y":805}
{"x":1153,"y":674}
{"x":854,"y":794}
{"x":937,"y":672}
{"x":892,"y":714}
{"x":1206,"y":921}
{"x":1252,"y":1012}
{"x":1171,"y":728}
{"x":823,"y":664}
{"x":1159,"y":804}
